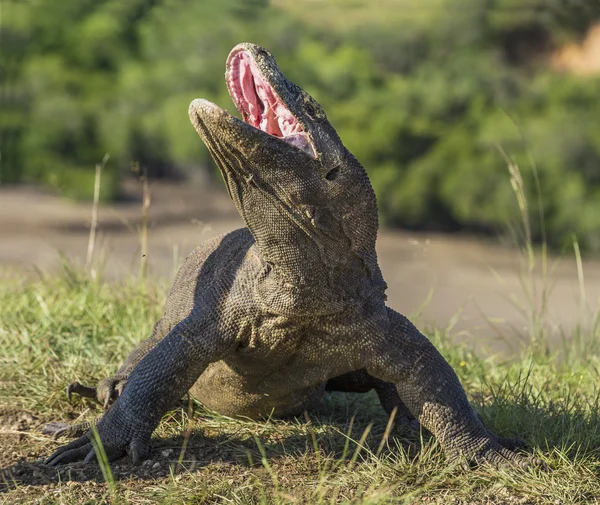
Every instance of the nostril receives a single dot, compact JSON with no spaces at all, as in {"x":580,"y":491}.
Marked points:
{"x":332,"y":174}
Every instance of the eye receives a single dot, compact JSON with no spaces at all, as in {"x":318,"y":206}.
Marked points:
{"x":309,"y":109}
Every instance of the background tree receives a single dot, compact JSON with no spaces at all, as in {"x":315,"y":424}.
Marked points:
{"x":423,"y":93}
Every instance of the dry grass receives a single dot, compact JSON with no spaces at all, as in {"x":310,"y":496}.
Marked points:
{"x":71,"y":327}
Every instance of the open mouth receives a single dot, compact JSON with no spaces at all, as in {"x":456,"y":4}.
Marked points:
{"x":259,"y":104}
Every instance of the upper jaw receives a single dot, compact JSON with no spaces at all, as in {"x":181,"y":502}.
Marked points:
{"x":218,"y":128}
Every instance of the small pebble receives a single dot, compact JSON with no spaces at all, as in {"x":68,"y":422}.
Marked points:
{"x":156,"y":465}
{"x":166,"y":453}
{"x":147,"y":463}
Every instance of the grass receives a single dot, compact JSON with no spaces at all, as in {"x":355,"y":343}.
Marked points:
{"x":72,"y":327}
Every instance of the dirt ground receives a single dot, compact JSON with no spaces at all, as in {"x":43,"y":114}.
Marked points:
{"x":454,"y":279}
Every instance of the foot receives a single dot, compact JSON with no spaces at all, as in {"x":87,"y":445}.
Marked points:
{"x":118,"y":435}
{"x":107,"y":391}
{"x":498,"y":452}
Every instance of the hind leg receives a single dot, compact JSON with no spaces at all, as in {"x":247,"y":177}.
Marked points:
{"x":360,"y":381}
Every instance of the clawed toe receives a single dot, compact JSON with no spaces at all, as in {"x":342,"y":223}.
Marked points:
{"x":499,"y":453}
{"x":81,"y":390}
{"x":70,"y":452}
{"x":55,"y":429}
{"x":505,"y":459}
{"x":90,"y":456}
{"x":110,"y":389}
{"x":107,"y":391}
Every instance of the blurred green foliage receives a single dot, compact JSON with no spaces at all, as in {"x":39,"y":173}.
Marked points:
{"x":425,"y":94}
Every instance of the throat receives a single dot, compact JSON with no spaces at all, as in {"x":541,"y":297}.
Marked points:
{"x":294,"y":288}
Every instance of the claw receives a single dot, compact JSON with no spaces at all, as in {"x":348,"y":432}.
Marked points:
{"x":59,"y":429}
{"x":69,"y":452}
{"x":134,"y":453}
{"x":90,"y":456}
{"x":138,"y":450}
{"x":81,"y":390}
{"x":110,"y":389}
{"x":54,"y":459}
{"x":120,"y":387}
{"x":542,"y":465}
{"x":499,"y":453}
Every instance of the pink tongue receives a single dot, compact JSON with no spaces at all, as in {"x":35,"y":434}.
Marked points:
{"x":249,"y":92}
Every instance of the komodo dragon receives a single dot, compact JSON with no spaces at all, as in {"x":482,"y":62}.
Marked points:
{"x":262,"y":320}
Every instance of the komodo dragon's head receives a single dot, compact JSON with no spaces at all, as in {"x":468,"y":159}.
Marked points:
{"x":304,"y":197}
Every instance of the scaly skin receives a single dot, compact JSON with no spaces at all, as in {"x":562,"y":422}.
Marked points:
{"x":262,"y":320}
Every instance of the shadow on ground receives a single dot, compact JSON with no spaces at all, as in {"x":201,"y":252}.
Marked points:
{"x":237,"y":448}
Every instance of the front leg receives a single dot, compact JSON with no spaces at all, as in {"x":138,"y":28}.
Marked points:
{"x":161,"y":378}
{"x":431,"y":390}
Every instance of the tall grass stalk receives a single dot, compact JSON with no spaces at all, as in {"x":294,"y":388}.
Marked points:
{"x":536,"y":290}
{"x":94,"y":223}
{"x":144,"y":227}
{"x":104,"y":465}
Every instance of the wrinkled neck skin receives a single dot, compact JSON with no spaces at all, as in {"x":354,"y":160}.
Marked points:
{"x":311,"y":253}
{"x":307,"y":201}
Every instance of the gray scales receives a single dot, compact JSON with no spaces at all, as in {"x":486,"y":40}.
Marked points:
{"x":261,"y":321}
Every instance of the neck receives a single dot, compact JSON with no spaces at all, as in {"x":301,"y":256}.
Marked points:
{"x":299,"y":280}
